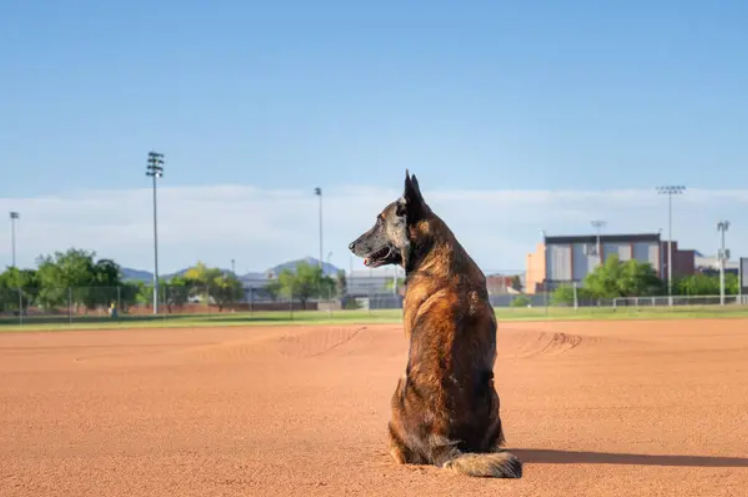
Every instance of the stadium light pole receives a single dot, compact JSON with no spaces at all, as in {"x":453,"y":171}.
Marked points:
{"x":670,"y":190}
{"x":598,"y":224}
{"x":155,"y":170}
{"x":318,"y":192}
{"x":724,"y":254}
{"x":545,"y":269}
{"x":14,"y":216}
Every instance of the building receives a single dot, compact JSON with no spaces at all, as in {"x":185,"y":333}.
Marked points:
{"x":365,"y":282}
{"x":563,"y":260}
{"x":710,"y":265}
{"x":502,"y":284}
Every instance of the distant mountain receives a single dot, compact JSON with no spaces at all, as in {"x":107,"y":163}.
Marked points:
{"x":327,"y":269}
{"x":129,"y":274}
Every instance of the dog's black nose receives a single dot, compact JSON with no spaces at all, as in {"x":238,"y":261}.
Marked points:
{"x":350,"y":245}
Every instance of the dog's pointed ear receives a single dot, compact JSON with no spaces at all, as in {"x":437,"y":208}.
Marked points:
{"x":412,"y":196}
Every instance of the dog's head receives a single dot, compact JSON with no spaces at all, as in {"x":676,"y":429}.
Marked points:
{"x":388,"y":241}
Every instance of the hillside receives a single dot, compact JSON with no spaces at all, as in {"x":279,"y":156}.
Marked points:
{"x":130,"y":274}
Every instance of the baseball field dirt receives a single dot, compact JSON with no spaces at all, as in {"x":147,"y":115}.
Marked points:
{"x":638,"y":408}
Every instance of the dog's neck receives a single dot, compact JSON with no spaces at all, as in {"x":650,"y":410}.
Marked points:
{"x":430,"y":241}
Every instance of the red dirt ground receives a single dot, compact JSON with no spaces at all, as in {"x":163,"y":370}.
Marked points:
{"x":593,"y":409}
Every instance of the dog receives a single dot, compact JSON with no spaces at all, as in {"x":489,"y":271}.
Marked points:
{"x":445,"y":408}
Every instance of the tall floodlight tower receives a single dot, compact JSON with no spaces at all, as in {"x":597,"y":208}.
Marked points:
{"x":670,"y":190}
{"x":14,"y":217}
{"x":598,"y":224}
{"x":724,"y":256}
{"x":155,"y":170}
{"x":318,"y":192}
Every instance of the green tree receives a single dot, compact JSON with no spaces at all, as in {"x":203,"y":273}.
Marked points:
{"x":639,"y":279}
{"x":705,"y":284}
{"x":564,"y":295}
{"x":516,"y":283}
{"x":631,"y":278}
{"x":132,"y":293}
{"x":201,"y":276}
{"x":732,"y":284}
{"x":215,"y":285}
{"x":520,"y":301}
{"x":305,"y":283}
{"x":274,"y":289}
{"x":341,"y":283}
{"x":103,"y":287}
{"x":63,"y":274}
{"x":226,"y":289}
{"x":75,"y":277}
{"x":177,"y":291}
{"x":18,"y":287}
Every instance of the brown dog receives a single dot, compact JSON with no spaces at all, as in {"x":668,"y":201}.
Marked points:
{"x":445,"y":410}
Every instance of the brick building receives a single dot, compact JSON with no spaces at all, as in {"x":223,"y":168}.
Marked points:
{"x":563,"y":260}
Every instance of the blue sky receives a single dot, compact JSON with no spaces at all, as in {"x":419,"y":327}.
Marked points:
{"x":514,"y":98}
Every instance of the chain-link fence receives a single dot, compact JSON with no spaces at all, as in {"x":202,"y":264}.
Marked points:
{"x":133,"y":303}
{"x":129,"y":304}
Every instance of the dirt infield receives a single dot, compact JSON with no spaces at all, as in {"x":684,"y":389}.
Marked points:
{"x":593,"y":409}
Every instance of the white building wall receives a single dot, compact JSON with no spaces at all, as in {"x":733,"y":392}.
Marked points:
{"x":582,"y":261}
{"x":622,"y":250}
{"x":558,"y":262}
{"x":573,"y":262}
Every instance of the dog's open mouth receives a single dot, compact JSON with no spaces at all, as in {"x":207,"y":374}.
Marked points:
{"x":378,"y":258}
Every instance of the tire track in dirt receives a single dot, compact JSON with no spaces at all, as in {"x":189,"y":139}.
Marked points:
{"x":526,"y":344}
{"x":318,"y":343}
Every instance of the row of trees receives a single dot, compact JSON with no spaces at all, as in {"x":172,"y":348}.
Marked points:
{"x":306,"y":282}
{"x":77,"y":278}
{"x":634,"y":278}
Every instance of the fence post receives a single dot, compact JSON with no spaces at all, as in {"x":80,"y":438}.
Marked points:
{"x":329,"y":300}
{"x":20,"y":306}
{"x":251,"y":298}
{"x":292,"y":292}
{"x":163,"y":307}
{"x":70,"y":304}
{"x":576,"y":301}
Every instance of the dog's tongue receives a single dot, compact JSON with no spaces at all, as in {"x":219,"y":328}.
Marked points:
{"x":366,"y":261}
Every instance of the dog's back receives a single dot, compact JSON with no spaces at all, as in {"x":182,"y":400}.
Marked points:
{"x":445,"y":409}
{"x":446,"y":406}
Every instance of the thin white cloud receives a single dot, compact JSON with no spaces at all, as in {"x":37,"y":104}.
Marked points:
{"x":260,"y":228}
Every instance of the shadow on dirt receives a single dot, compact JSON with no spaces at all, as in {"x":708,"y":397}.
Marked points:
{"x":572,"y":457}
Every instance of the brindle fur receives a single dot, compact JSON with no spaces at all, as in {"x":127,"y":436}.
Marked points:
{"x":445,"y":409}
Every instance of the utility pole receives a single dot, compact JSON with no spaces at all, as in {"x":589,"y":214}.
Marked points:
{"x":670,"y":190}
{"x":233,"y":266}
{"x":545,"y":268}
{"x":318,"y":192}
{"x":14,"y":216}
{"x":155,"y":170}
{"x":724,"y":255}
{"x":598,"y":225}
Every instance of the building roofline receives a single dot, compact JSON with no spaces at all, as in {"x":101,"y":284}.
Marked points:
{"x":630,"y":238}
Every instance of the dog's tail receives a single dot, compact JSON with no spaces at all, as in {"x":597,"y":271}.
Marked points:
{"x":492,"y":465}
